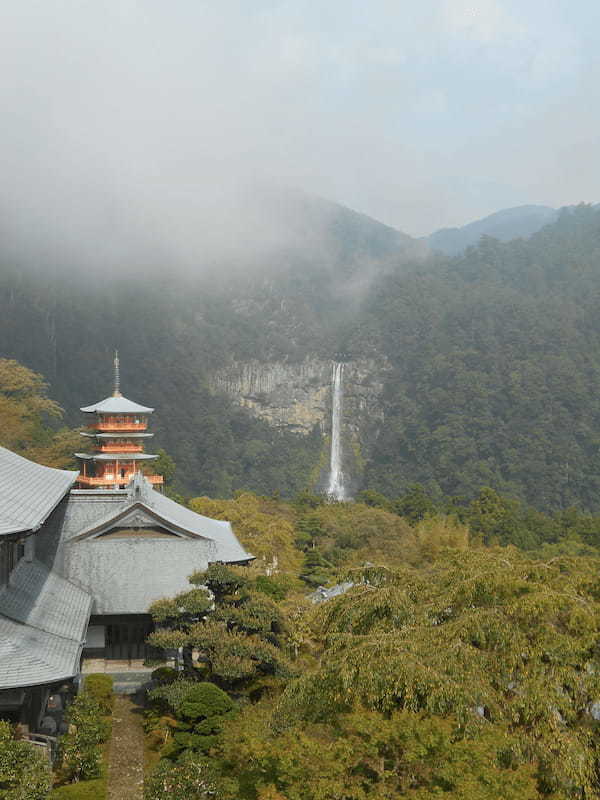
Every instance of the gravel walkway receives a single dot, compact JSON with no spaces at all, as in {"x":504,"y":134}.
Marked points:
{"x":126,"y":753}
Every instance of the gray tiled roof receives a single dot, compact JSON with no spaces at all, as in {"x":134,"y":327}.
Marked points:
{"x":29,"y":492}
{"x":43,"y":620}
{"x":29,"y":656}
{"x":125,"y":575}
{"x":322,"y":594}
{"x":117,"y":405}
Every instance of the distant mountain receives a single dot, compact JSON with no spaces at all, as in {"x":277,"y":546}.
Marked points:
{"x":477,"y":370}
{"x":510,"y":223}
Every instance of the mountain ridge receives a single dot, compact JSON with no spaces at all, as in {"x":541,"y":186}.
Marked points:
{"x":505,"y":225}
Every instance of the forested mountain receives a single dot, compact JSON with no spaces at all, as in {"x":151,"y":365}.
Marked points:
{"x":496,"y":360}
{"x":488,"y":362}
{"x":510,"y":223}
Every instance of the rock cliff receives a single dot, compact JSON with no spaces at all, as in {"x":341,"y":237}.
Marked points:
{"x":297,"y":397}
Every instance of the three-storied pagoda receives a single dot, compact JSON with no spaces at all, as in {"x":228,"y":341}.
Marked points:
{"x":118,"y":430}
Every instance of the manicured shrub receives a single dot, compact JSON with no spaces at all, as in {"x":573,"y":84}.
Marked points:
{"x":165,"y":675}
{"x":190,"y":778}
{"x":200,"y":710}
{"x":100,"y":687}
{"x":80,"y":751}
{"x":24,"y":772}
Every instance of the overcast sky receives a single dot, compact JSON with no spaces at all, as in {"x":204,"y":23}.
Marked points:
{"x":420,"y":113}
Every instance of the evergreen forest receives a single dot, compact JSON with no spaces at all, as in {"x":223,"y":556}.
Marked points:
{"x":455,"y":655}
{"x":492,"y":357}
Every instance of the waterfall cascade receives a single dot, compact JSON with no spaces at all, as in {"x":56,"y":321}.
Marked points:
{"x":335,"y":489}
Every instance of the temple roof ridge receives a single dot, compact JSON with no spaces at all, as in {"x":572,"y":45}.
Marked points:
{"x":116,"y":405}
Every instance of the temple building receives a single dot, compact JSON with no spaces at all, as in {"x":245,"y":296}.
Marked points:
{"x":83,"y":556}
{"x":117,"y":428}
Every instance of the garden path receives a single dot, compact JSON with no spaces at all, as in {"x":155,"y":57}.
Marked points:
{"x":126,"y":754}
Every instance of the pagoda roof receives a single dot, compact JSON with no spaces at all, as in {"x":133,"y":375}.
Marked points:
{"x":116,"y":405}
{"x":117,"y":435}
{"x":29,"y":492}
{"x":116,"y":456}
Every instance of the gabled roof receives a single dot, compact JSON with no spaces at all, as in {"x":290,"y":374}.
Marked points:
{"x":117,"y":405}
{"x":29,"y":492}
{"x":43,"y":620}
{"x":125,"y":575}
{"x":93,"y":514}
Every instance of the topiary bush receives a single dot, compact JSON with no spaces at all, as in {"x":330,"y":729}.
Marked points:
{"x":200,"y":710}
{"x":100,"y":687}
{"x":165,"y":675}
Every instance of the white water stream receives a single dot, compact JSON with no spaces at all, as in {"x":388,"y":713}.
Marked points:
{"x":335,"y":489}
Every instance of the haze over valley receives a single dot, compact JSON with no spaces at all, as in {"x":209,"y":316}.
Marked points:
{"x":299,"y":400}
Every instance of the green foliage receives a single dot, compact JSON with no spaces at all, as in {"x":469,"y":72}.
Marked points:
{"x":276,"y":587}
{"x":234,"y":658}
{"x":263,"y":525}
{"x":100,"y":687}
{"x":83,"y":790}
{"x":221,"y":580}
{"x":316,"y":570}
{"x":80,"y":755}
{"x":238,"y":641}
{"x":24,"y":772}
{"x":200,"y":710}
{"x":495,"y":363}
{"x":415,"y":505}
{"x":365,"y":755}
{"x":475,"y":632}
{"x":190,"y":778}
{"x":28,"y":418}
{"x":164,"y":675}
{"x":189,"y":606}
{"x":164,"y":465}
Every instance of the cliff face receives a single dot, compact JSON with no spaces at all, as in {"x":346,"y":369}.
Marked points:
{"x":298,"y":397}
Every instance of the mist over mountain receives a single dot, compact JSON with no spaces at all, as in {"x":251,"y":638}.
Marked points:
{"x":510,"y":223}
{"x":476,"y":370}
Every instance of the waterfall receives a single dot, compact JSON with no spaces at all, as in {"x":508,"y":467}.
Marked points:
{"x":335,"y":489}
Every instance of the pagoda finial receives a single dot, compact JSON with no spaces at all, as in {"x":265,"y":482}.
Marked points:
{"x":117,"y":391}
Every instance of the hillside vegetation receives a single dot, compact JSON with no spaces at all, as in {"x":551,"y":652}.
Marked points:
{"x":494,"y":354}
{"x":461,"y":661}
{"x":456,"y":670}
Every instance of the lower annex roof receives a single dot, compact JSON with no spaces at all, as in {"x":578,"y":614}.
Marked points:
{"x":43,"y":621}
{"x":29,"y":492}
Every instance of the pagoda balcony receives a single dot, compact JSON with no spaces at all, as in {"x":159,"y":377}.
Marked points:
{"x":85,"y":480}
{"x":120,"y":448}
{"x":118,"y":426}
{"x":111,"y":480}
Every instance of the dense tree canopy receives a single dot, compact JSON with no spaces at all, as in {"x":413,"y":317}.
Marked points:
{"x":493,"y":356}
{"x":28,"y":418}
